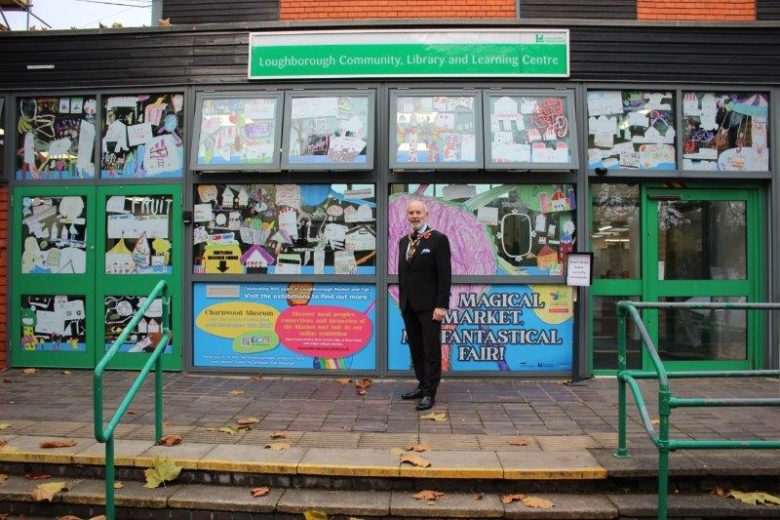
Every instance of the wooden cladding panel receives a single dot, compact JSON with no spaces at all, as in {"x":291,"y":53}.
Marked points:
{"x":767,"y":10}
{"x":578,"y":9}
{"x":206,"y":11}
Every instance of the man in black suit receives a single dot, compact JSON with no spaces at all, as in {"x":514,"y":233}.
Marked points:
{"x":424,"y":279}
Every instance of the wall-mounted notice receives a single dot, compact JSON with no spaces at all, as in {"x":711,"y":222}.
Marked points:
{"x":436,"y":131}
{"x":531,"y":131}
{"x":138,"y":234}
{"x":119,"y":311}
{"x":238,"y":132}
{"x":284,"y":228}
{"x":517,"y":229}
{"x":332,"y":131}
{"x":53,"y":323}
{"x":579,"y":269}
{"x":56,"y":137}
{"x":54,"y":233}
{"x":299,"y":326}
{"x":496,"y":328}
{"x":726,"y":131}
{"x":142,"y":136}
{"x":631,"y":130}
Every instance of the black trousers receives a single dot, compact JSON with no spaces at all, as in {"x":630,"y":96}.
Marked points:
{"x":424,"y":336}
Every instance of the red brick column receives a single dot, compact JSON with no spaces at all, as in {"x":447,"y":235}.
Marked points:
{"x":3,"y":275}
{"x":705,"y":11}
{"x":290,"y":10}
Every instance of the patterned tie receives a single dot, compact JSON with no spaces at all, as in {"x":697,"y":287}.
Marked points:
{"x":414,"y":239}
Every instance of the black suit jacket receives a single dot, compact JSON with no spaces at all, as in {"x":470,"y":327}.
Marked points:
{"x":425,"y":282}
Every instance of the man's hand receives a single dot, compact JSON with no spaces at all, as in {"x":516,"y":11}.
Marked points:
{"x":439,"y":313}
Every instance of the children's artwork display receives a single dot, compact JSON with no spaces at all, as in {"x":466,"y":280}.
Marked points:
{"x":54,"y":232}
{"x":142,"y":136}
{"x":531,"y":131}
{"x":436,"y":131}
{"x":55,"y":137}
{"x":284,"y":228}
{"x":726,"y":131}
{"x":53,"y":323}
{"x":238,"y":132}
{"x":506,"y":229}
{"x":631,"y":130}
{"x":333,"y":131}
{"x":138,"y":234}
{"x":296,"y":326}
{"x":496,"y":328}
{"x":144,"y":338}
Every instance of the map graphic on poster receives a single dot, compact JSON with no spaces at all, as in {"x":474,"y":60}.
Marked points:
{"x":54,"y":232}
{"x":526,"y":229}
{"x":286,"y":326}
{"x":142,"y":136}
{"x":53,"y":323}
{"x":496,"y":328}
{"x":120,"y":311}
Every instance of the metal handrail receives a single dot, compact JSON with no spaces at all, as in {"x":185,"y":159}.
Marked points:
{"x":106,"y":435}
{"x":667,"y":402}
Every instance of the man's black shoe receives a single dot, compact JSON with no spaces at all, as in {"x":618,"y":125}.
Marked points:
{"x":416,"y":394}
{"x":426,"y":403}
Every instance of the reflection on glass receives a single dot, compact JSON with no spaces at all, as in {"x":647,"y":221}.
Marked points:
{"x":54,"y":233}
{"x":605,"y":340}
{"x":144,"y":338}
{"x":702,"y":334}
{"x":53,"y":323}
{"x":726,"y":131}
{"x":702,"y":240}
{"x":615,"y":230}
{"x":138,"y":234}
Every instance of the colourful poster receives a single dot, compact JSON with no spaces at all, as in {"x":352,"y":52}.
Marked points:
{"x":53,"y":323}
{"x":496,"y":328}
{"x":285,"y":326}
{"x":147,"y":333}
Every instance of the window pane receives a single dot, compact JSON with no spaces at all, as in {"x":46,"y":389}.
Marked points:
{"x":605,"y":340}
{"x":138,"y":234}
{"x":702,"y":240}
{"x":615,"y":230}
{"x":146,"y":334}
{"x":54,"y":233}
{"x":726,"y":131}
{"x":631,"y":130}
{"x":53,"y":323}
{"x":702,"y":334}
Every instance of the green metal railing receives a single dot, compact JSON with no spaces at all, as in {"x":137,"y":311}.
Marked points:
{"x":667,"y":402}
{"x":106,"y":434}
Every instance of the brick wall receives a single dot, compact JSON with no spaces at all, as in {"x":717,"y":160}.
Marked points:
{"x":362,"y":9}
{"x":706,"y":11}
{"x":3,"y":274}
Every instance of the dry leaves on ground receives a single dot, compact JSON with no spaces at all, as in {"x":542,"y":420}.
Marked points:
{"x":428,"y":494}
{"x":398,"y":452}
{"x":277,"y":446}
{"x":433,"y":416}
{"x":118,"y":485}
{"x":4,"y":426}
{"x":418,"y":448}
{"x":163,"y":469}
{"x":236,"y":392}
{"x":37,"y":476}
{"x":65,"y":443}
{"x":655,"y":422}
{"x":478,"y":496}
{"x":67,"y":372}
{"x":2,"y":442}
{"x":256,"y":377}
{"x":344,"y":380}
{"x":30,"y":370}
{"x":7,"y":381}
{"x":517,"y":441}
{"x":278,"y":435}
{"x":362,"y":386}
{"x":260,"y":491}
{"x":170,"y":440}
{"x":508,"y":499}
{"x":754,"y":497}
{"x":315,"y":515}
{"x":3,"y":478}
{"x":223,"y":429}
{"x":537,"y":503}
{"x":415,"y":460}
{"x":47,"y":491}
{"x":68,"y":517}
{"x":247,"y":421}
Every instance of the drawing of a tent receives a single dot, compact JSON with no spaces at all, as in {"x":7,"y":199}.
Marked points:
{"x":119,"y":259}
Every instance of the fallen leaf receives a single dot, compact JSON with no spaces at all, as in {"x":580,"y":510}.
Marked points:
{"x":508,"y":499}
{"x":427,"y":494}
{"x":7,"y":381}
{"x":164,"y":22}
{"x":3,"y":478}
{"x":163,"y":469}
{"x":260,"y":491}
{"x":47,"y":491}
{"x":118,"y":485}
{"x":478,"y":496}
{"x":398,"y":452}
{"x":247,"y":421}
{"x":344,"y":380}
{"x":754,"y":497}
{"x":130,"y":412}
{"x":655,"y":422}
{"x":4,"y":426}
{"x":277,"y":446}
{"x":37,"y":476}
{"x":433,"y":416}
{"x":537,"y":503}
{"x":517,"y":441}
{"x":315,"y":515}
{"x":67,"y":372}
{"x":99,"y":517}
{"x":68,"y":517}
{"x":256,"y":377}
{"x":236,"y":392}
{"x":30,"y":370}
{"x":170,"y":440}
{"x":2,"y":442}
{"x":361,"y":391}
{"x":363,"y":383}
{"x":66,"y":443}
{"x":418,"y":448}
{"x":415,"y":460}
{"x":278,"y":435}
{"x":719,"y":491}
{"x":227,"y":429}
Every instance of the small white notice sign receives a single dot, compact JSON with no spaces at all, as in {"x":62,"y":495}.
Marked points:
{"x":579,"y":269}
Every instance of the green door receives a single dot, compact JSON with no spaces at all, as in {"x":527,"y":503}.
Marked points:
{"x":53,"y":285}
{"x":139,"y":242}
{"x":702,"y":245}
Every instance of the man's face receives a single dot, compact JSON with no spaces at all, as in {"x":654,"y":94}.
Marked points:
{"x":416,"y":214}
